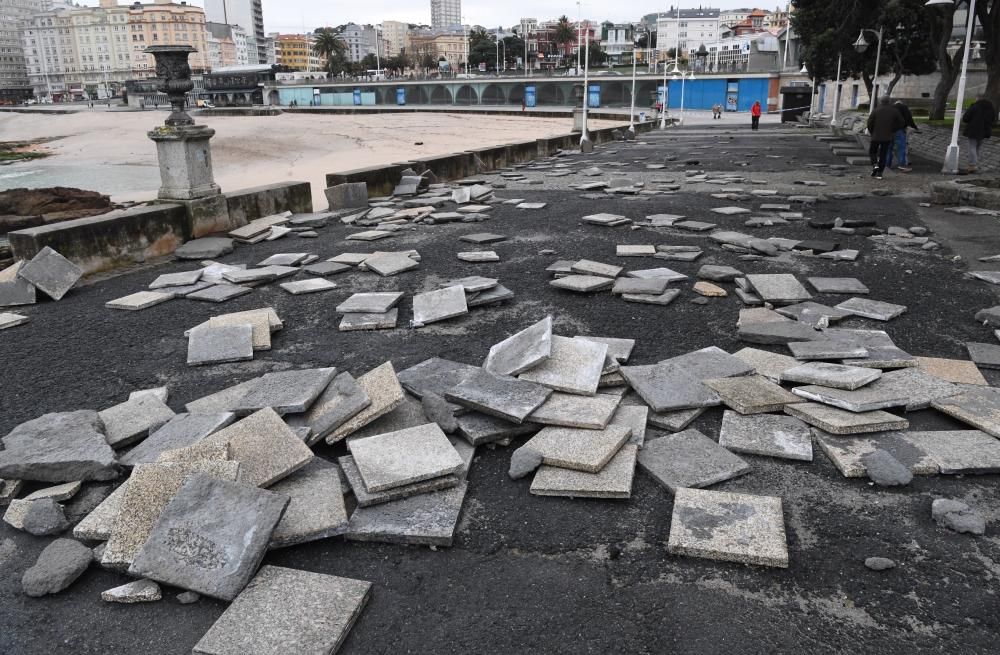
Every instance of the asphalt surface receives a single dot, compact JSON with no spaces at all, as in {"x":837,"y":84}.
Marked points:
{"x":530,"y":574}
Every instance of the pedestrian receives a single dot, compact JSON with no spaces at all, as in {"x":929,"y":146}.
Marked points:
{"x":882,"y":124}
{"x":755,"y":113}
{"x":524,"y":102}
{"x":899,"y":139}
{"x":979,"y":121}
{"x":716,"y":111}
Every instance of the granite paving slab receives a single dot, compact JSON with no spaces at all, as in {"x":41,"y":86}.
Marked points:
{"x":285,"y":259}
{"x":635,"y":418}
{"x":366,"y":498}
{"x":728,"y":526}
{"x":342,"y":399}
{"x":574,"y":366}
{"x":654,"y":286}
{"x":781,"y":288}
{"x":751,"y":394}
{"x":730,"y":211}
{"x":669,"y":387}
{"x":689,"y":459}
{"x":368,"y":235}
{"x":776,"y":333}
{"x":282,"y":608}
{"x":847,"y":285}
{"x":316,"y":507}
{"x":150,"y":489}
{"x":662,"y":299}
{"x":958,"y":371}
{"x":428,"y":519}
{"x":695,"y":226}
{"x":189,"y":547}
{"x":812,"y":312}
{"x":612,"y":481}
{"x":478,"y":428}
{"x":583,"y":283}
{"x":825,"y":349}
{"x":133,"y":420}
{"x":826,"y":374}
{"x":675,"y":421}
{"x":265,"y":447}
{"x":866,"y":399}
{"x":959,"y":452}
{"x":15,"y":290}
{"x":51,"y":273}
{"x":312,"y":285}
{"x":286,"y":392}
{"x":522,"y":351}
{"x":922,"y":388}
{"x":219,"y":292}
{"x":259,"y":321}
{"x":975,"y":406}
{"x":841,"y":422}
{"x":579,"y":449}
{"x":8,"y":320}
{"x":97,"y":525}
{"x":478,"y":257}
{"x":180,"y":431}
{"x":58,"y":493}
{"x":409,"y":414}
{"x":403,"y":457}
{"x":710,"y":363}
{"x":375,"y":303}
{"x":847,"y":454}
{"x":369,"y":321}
{"x":985,"y":355}
{"x":219,"y":344}
{"x":661,"y":272}
{"x":508,"y":398}
{"x":573,"y":411}
{"x":221,"y":401}
{"x":389,"y":264}
{"x":326,"y":268}
{"x":770,"y":435}
{"x":873,"y":309}
{"x":139,"y":300}
{"x":482,"y":237}
{"x":592,"y":268}
{"x":473,"y":283}
{"x":435,"y":375}
{"x":635,"y":250}
{"x":385,"y":393}
{"x":439,"y":305}
{"x":882,"y":352}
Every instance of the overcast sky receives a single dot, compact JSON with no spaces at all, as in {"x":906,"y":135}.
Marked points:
{"x":294,"y":15}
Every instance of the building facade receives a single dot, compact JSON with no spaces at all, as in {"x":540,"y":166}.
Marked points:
{"x":446,"y":14}
{"x":166,"y":23}
{"x":360,"y":41}
{"x":617,"y":42}
{"x":249,"y":15}
{"x":14,"y":17}
{"x":755,"y":53}
{"x":441,"y":44}
{"x":295,"y":51}
{"x":395,"y":38}
{"x":227,"y":45}
{"x":687,"y":29}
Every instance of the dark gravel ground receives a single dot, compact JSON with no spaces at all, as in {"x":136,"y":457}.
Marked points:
{"x":548,"y":575}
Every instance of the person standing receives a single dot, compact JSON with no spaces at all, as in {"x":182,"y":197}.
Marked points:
{"x":979,"y":121}
{"x":882,"y":124}
{"x":898,"y":149}
{"x":755,"y":112}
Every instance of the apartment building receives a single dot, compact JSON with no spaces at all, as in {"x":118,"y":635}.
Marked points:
{"x":295,"y":51}
{"x":166,"y":23}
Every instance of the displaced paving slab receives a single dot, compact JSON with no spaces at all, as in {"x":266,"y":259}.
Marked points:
{"x":342,"y":399}
{"x":478,"y":428}
{"x":710,"y":363}
{"x":985,"y":355}
{"x":134,"y":419}
{"x":180,"y":431}
{"x":265,"y":447}
{"x":312,"y":285}
{"x":728,"y":526}
{"x":578,"y":449}
{"x":827,"y":374}
{"x":51,"y":273}
{"x":439,"y":305}
{"x":634,"y":417}
{"x":689,"y":459}
{"x":286,"y":392}
{"x":374,"y":303}
{"x":369,"y":321}
{"x":219,"y":292}
{"x":959,"y":452}
{"x":865,"y":399}
{"x":765,"y":363}
{"x":583,"y":283}
{"x":428,"y":519}
{"x":9,"y":320}
{"x":316,"y":507}
{"x":97,"y":525}
{"x":189,"y":547}
{"x":958,"y":371}
{"x":841,"y":421}
{"x":283,"y":607}
{"x":781,"y":288}
{"x":978,"y":407}
{"x":403,"y":457}
{"x":367,"y":498}
{"x":384,"y":393}
{"x":751,"y":394}
{"x":58,"y":447}
{"x":848,"y":285}
{"x":873,"y":309}
{"x":574,"y":366}
{"x":219,"y":344}
{"x":259,"y":321}
{"x":505,"y":397}
{"x":15,"y":290}
{"x":669,"y":387}
{"x":180,"y":279}
{"x":573,"y":411}
{"x":139,"y":300}
{"x":655,"y":286}
{"x":847,"y":454}
{"x":613,"y":481}
{"x":770,"y":435}
{"x":522,"y":351}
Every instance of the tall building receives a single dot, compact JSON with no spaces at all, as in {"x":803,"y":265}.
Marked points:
{"x":249,"y":15}
{"x":296,"y":52}
{"x":227,"y":45}
{"x":166,"y":23}
{"x":446,"y":13}
{"x":688,"y":28}
{"x":360,"y":41}
{"x":395,"y":37}
{"x":14,"y":15}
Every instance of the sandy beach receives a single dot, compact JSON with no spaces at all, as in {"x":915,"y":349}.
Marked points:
{"x":108,"y":151}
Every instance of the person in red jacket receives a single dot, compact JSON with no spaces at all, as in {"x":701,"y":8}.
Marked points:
{"x":755,"y":112}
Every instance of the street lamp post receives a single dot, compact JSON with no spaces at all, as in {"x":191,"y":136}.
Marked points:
{"x":585,"y":144}
{"x":951,"y":155}
{"x":836,"y":91}
{"x":663,"y":98}
{"x":579,"y":35}
{"x":861,"y":45}
{"x":631,"y":113}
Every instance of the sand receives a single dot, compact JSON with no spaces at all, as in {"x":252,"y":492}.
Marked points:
{"x":108,"y":151}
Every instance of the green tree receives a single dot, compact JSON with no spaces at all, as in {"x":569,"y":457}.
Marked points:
{"x":949,"y":65}
{"x":329,"y":47}
{"x":482,"y":48}
{"x":565,"y":33}
{"x":513,"y":47}
{"x":988,"y":15}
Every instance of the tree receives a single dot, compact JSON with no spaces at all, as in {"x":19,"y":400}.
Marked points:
{"x":564,"y":33}
{"x":482,"y":48}
{"x":988,"y":16}
{"x":329,"y":47}
{"x":512,"y":48}
{"x":597,"y":56}
{"x":948,"y":64}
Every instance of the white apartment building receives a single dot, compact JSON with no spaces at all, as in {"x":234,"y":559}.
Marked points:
{"x":753,"y":53}
{"x":360,"y":40}
{"x":617,"y":43}
{"x":14,"y":14}
{"x":395,"y":37}
{"x":249,"y":15}
{"x":445,"y":13}
{"x":688,"y":28}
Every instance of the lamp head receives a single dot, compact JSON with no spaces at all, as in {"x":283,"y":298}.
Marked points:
{"x":861,"y":45}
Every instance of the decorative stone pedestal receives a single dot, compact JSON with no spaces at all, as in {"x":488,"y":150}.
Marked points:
{"x":185,"y":162}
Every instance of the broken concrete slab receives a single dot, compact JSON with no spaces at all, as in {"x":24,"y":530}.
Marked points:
{"x":403,"y":457}
{"x":15,"y":290}
{"x":97,"y":525}
{"x":283,"y":606}
{"x":612,"y":481}
{"x":508,"y":398}
{"x":873,"y":309}
{"x":985,"y":355}
{"x":812,"y":313}
{"x":751,"y":394}
{"x":265,"y":447}
{"x":782,"y":288}
{"x":841,"y":421}
{"x":140,"y":591}
{"x":569,"y":410}
{"x":342,"y":399}
{"x":180,"y":431}
{"x":847,"y":454}
{"x":316,"y":506}
{"x":375,"y":303}
{"x":689,"y":459}
{"x":51,"y":273}
{"x":41,"y":517}
{"x":286,"y":392}
{"x":865,"y":399}
{"x":958,"y":371}
{"x":57,"y":567}
{"x":189,"y":547}
{"x":826,"y":374}
{"x":770,"y":435}
{"x":218,"y":344}
{"x":847,"y":285}
{"x":574,"y":366}
{"x":959,"y":452}
{"x":522,"y":351}
{"x":385,"y":393}
{"x":425,"y":519}
{"x":439,"y":305}
{"x":579,"y":449}
{"x":728,"y":526}
{"x":8,"y":320}
{"x":477,"y":428}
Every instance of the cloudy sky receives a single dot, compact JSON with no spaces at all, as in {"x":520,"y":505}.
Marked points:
{"x":293,"y":15}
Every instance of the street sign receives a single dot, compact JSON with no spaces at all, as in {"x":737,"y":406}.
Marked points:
{"x":594,"y":96}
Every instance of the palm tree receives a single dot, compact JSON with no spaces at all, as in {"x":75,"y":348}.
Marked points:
{"x":564,"y":32}
{"x":328,"y":46}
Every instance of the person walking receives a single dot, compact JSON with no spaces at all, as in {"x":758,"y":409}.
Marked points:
{"x":882,"y":124}
{"x":755,"y":113}
{"x":978,"y":119}
{"x":898,"y":149}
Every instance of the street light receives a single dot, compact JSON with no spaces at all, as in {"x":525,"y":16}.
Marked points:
{"x":585,"y":144}
{"x":951,"y":155}
{"x":631,"y":113}
{"x":861,"y":46}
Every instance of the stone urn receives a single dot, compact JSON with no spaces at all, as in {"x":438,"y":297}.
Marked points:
{"x":174,"y":75}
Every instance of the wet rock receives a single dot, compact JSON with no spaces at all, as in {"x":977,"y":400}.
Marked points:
{"x":880,"y":563}
{"x":885,"y":470}
{"x":57,"y":567}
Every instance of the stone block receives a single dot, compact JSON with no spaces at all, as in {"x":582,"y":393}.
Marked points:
{"x":217,"y":344}
{"x":316,"y":506}
{"x":522,"y":351}
{"x":403,"y":457}
{"x":428,"y":519}
{"x":573,"y":411}
{"x":51,"y":273}
{"x":840,"y":421}
{"x":350,"y":195}
{"x":15,"y":290}
{"x":836,"y":376}
{"x":265,"y":447}
{"x":729,"y":527}
{"x":181,"y":431}
{"x":385,"y":395}
{"x":133,"y":420}
{"x":342,"y":399}
{"x":507,"y":398}
{"x":189,"y":547}
{"x":577,"y":449}
{"x":769,"y":435}
{"x":284,"y":608}
{"x":439,"y":305}
{"x":873,"y":309}
{"x":286,"y":392}
{"x":847,"y":454}
{"x":612,"y":481}
{"x":574,"y":366}
{"x":689,"y":459}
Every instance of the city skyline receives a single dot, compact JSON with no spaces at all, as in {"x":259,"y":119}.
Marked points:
{"x":291,"y":16}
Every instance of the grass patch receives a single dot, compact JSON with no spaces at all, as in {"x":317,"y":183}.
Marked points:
{"x":14,"y":151}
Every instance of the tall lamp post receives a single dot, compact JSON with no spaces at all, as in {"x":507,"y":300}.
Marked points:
{"x":579,"y":34}
{"x":861,"y":45}
{"x":631,"y":113}
{"x":663,"y":98}
{"x":836,"y":91}
{"x":585,"y":144}
{"x":951,"y":155}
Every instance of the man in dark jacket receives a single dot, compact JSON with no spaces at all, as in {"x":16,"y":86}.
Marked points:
{"x":899,"y":139}
{"x":882,"y":124}
{"x":978,"y":121}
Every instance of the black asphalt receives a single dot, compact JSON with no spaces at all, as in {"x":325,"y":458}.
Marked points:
{"x":546,"y":575}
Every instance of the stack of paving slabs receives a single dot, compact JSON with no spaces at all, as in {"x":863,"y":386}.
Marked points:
{"x":369,"y":311}
{"x":456,"y":297}
{"x":48,"y":272}
{"x":232,"y":337}
{"x":259,"y":229}
{"x":644,"y":286}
